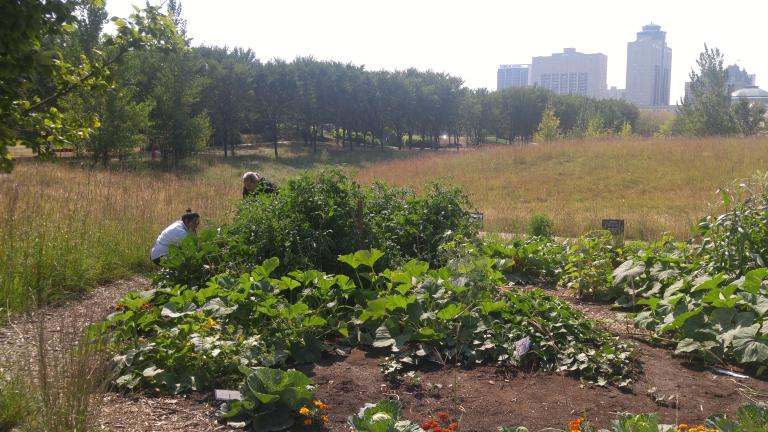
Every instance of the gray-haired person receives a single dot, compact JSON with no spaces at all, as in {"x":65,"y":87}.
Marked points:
{"x":255,"y":184}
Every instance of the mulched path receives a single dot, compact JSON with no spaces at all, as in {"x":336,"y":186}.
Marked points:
{"x":481,"y":398}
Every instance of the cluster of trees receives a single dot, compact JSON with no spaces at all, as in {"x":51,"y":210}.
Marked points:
{"x":707,"y":109}
{"x":53,"y":49}
{"x":64,"y":81}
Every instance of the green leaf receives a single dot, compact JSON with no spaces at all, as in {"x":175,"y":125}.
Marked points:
{"x":364,"y":257}
{"x":449,"y":312}
{"x":314,"y":321}
{"x":679,"y":320}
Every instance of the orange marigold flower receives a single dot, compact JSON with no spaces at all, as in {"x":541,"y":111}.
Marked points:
{"x":575,"y":425}
{"x":429,"y":424}
{"x":307,"y":422}
{"x":119,"y":306}
{"x":324,"y":418}
{"x":682,"y":426}
{"x":304,"y":411}
{"x":443,"y":415}
{"x":455,"y":426}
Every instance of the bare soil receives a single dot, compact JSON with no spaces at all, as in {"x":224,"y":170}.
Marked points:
{"x":481,"y":398}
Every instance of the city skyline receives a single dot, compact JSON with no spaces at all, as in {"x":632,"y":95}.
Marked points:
{"x":471,"y":42}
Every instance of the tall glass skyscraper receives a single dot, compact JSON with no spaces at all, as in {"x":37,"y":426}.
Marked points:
{"x":649,"y":65}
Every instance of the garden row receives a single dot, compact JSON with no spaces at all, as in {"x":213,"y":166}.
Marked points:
{"x":285,"y":283}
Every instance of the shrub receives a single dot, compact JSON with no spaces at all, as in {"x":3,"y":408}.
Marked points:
{"x":318,"y":217}
{"x":540,"y":226}
{"x":590,"y":266}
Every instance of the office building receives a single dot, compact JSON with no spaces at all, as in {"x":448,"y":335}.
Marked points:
{"x":649,"y":66}
{"x":572,"y":73}
{"x":515,"y":75}
{"x":738,"y":78}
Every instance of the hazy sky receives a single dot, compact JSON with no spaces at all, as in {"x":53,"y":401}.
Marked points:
{"x":470,"y":39}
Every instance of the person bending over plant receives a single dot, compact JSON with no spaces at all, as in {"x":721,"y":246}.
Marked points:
{"x":255,"y":184}
{"x":173,"y":234}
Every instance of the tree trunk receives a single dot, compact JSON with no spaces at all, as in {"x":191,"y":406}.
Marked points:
{"x":274,"y":138}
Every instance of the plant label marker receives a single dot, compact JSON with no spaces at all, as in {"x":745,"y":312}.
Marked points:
{"x":226,"y":395}
{"x":616,"y":228}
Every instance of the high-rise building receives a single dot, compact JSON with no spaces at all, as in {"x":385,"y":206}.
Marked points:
{"x":572,"y":73}
{"x":515,"y":75}
{"x":738,"y":78}
{"x":649,"y":65}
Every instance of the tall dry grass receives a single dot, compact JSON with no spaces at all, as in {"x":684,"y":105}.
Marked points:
{"x":65,"y":229}
{"x":659,"y":185}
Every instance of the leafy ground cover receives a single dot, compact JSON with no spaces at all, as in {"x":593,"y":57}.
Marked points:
{"x":183,"y":338}
{"x":196,"y":333}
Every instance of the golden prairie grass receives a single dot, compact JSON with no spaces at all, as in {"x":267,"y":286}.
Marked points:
{"x":64,"y":229}
{"x":656,"y":185}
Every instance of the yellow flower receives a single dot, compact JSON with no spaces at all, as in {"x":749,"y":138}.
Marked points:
{"x":324,"y":418}
{"x":304,"y":411}
{"x":307,"y":422}
{"x":211,"y":322}
{"x":682,"y":426}
{"x":319,"y":404}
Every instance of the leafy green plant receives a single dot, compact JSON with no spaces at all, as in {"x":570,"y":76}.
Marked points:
{"x":590,"y":264}
{"x":711,"y":317}
{"x":185,"y":338}
{"x":317,"y":217}
{"x":737,"y":240}
{"x":273,"y":400}
{"x":749,"y":418}
{"x":383,"y":416}
{"x":540,"y":225}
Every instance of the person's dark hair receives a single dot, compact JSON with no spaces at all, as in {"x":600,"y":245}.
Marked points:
{"x":189,"y":216}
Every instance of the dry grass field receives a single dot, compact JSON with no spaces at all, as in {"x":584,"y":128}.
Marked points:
{"x":65,"y":227}
{"x":660,"y":185}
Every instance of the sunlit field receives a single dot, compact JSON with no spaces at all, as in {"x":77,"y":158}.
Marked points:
{"x":65,"y":227}
{"x":656,"y":186}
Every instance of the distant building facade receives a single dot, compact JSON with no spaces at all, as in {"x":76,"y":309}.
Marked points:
{"x":751,"y":94}
{"x":738,"y":78}
{"x":616,"y":93}
{"x":649,"y":67}
{"x":572,"y":73}
{"x":515,"y":75}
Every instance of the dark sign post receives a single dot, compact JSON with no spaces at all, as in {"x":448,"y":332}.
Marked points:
{"x":616,"y":228}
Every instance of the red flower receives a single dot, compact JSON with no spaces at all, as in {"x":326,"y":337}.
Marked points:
{"x":429,"y":424}
{"x":455,"y":426}
{"x":443,"y":415}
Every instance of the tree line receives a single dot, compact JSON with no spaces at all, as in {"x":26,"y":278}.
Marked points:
{"x":65,"y":82}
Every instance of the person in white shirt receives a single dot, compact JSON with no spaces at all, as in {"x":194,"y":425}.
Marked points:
{"x":173,"y":234}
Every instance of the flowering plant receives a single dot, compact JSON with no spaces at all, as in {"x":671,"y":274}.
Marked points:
{"x":442,"y":423}
{"x":273,"y":400}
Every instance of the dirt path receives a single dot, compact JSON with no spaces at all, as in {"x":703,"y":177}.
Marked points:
{"x":115,"y":412}
{"x":482,"y":398}
{"x":63,"y":324}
